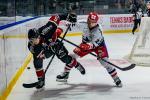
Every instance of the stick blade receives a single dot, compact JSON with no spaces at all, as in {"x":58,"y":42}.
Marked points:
{"x":30,"y":85}
{"x":129,"y":67}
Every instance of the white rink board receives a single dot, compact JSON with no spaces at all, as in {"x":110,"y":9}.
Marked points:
{"x":13,"y":50}
{"x":110,"y":23}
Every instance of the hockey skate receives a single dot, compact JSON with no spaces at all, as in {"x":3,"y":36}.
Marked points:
{"x":41,"y":83}
{"x":117,"y":81}
{"x":62,"y":77}
{"x":81,"y":69}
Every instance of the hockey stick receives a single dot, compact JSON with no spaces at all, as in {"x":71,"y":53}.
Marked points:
{"x":60,"y":41}
{"x":123,"y":69}
{"x":31,"y":85}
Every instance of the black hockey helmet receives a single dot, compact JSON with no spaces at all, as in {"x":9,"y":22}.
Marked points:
{"x":33,"y":33}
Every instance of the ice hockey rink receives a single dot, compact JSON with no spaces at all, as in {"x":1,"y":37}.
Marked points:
{"x":96,"y":84}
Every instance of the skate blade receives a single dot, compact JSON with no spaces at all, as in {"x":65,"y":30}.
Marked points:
{"x":61,"y":80}
{"x":120,"y":86}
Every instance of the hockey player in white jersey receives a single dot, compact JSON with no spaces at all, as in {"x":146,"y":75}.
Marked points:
{"x":93,"y":41}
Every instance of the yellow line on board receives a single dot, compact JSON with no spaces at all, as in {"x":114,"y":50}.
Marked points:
{"x":105,"y":32}
{"x":15,"y":78}
{"x":1,"y":36}
{"x":13,"y":36}
{"x":0,"y":98}
{"x":71,"y":34}
{"x":118,"y":31}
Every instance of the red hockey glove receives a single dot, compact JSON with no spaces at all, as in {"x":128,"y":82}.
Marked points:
{"x":86,"y":46}
{"x":59,"y":31}
{"x":55,"y":19}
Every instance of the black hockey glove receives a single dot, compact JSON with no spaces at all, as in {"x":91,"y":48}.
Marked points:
{"x":45,"y":46}
{"x":72,"y":17}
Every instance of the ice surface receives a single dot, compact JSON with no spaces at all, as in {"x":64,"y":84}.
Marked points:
{"x":96,"y":84}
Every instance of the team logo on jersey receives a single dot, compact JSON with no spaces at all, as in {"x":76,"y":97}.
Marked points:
{"x":46,"y":30}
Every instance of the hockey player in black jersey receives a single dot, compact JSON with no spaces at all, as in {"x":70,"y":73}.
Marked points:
{"x":43,"y":43}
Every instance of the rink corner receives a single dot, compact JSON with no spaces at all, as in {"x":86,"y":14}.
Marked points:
{"x":14,"y":79}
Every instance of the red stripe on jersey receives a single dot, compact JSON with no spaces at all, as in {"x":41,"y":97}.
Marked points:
{"x":73,"y":63}
{"x":55,"y":19}
{"x":54,"y":37}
